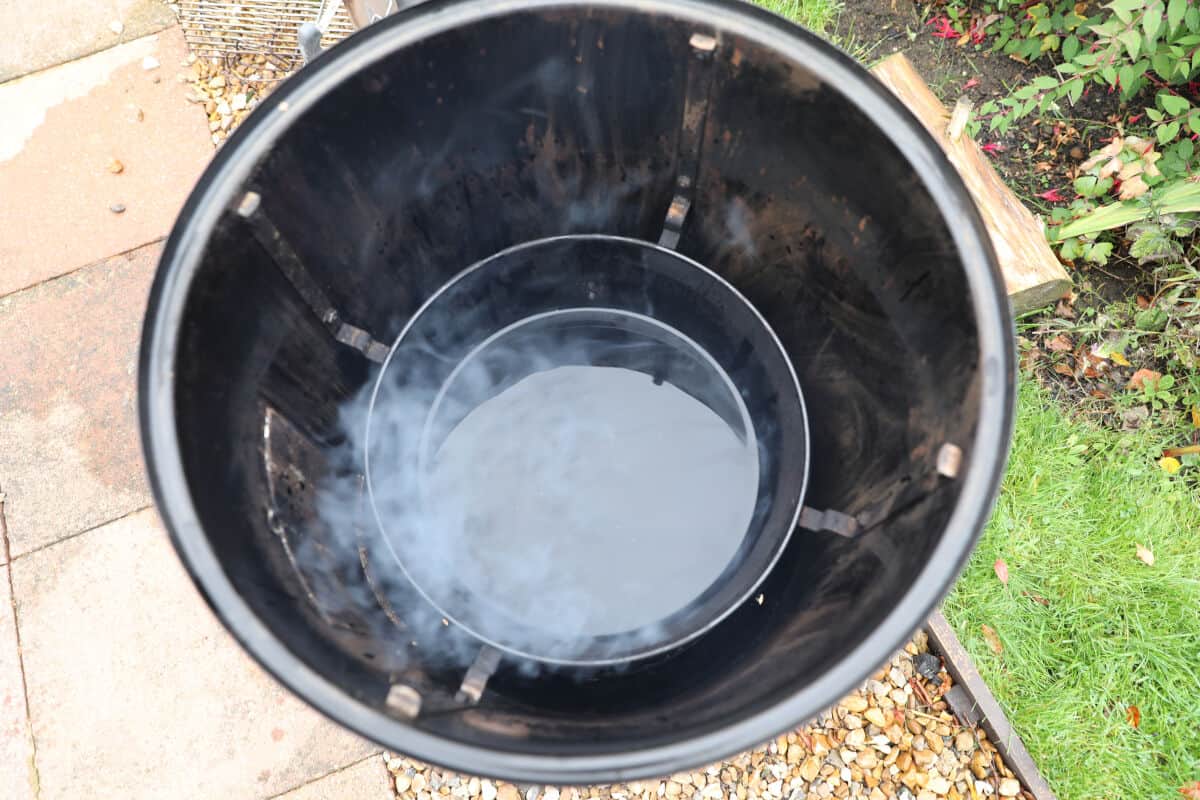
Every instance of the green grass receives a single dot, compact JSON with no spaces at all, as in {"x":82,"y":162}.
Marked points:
{"x":816,"y":15}
{"x":1076,"y":500}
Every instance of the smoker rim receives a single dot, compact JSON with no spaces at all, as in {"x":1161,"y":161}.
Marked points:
{"x":220,"y":188}
{"x":714,"y":278}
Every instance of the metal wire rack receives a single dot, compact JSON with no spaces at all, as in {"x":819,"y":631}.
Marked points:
{"x":266,"y":27}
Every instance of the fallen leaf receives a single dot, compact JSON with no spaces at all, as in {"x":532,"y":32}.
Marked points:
{"x":1060,"y":344}
{"x":992,"y":639}
{"x":1196,"y":416}
{"x":1099,"y":395}
{"x":1052,"y":196}
{"x":1090,"y":372}
{"x":1146,"y":555}
{"x":1169,"y":464}
{"x":1117,"y":357}
{"x":973,"y":82}
{"x":1176,"y":452}
{"x":1001,"y":570}
{"x":1138,"y":379}
{"x":1037,"y":598}
{"x":1063,"y":369}
{"x":1191,"y":791}
{"x":1065,"y":311}
{"x":1133,"y":715}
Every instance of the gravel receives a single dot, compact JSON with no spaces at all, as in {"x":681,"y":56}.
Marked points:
{"x":894,"y":738}
{"x":229,"y":88}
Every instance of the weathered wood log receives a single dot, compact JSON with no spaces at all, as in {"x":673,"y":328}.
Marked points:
{"x":1032,"y":274}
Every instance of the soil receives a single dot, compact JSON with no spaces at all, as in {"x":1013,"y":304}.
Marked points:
{"x":1038,"y":153}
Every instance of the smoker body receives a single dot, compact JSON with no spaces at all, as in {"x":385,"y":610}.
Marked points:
{"x":447,"y":133}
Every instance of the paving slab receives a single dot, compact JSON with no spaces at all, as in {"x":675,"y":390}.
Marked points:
{"x":366,"y":780}
{"x":48,"y":32}
{"x":136,"y":691}
{"x":16,"y":746}
{"x":63,"y":133}
{"x":69,"y":451}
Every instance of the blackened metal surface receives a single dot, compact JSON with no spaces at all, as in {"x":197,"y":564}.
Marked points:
{"x":452,"y":131}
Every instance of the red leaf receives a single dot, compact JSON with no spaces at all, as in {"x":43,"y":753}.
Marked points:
{"x":992,"y":147}
{"x":971,"y":83}
{"x":1138,"y":379}
{"x":1063,"y":369}
{"x":1052,"y":196}
{"x":992,"y":639}
{"x":1142,"y":301}
{"x":1001,"y":570}
{"x":1037,"y":598}
{"x":1191,"y":791}
{"x":1133,"y":715}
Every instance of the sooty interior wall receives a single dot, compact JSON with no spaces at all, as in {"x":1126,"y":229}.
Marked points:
{"x":541,"y":124}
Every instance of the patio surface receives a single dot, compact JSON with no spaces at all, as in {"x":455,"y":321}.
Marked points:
{"x":115,"y":678}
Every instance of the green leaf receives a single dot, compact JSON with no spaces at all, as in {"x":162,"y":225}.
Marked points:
{"x":1152,"y":22}
{"x":1132,"y":41}
{"x":1163,"y":64}
{"x":1109,"y":74}
{"x":1074,"y":89}
{"x":1130,"y":79}
{"x":1166,"y":133}
{"x":1099,"y":252}
{"x":1175,"y":11}
{"x":1196,"y":60}
{"x":1050,"y":42}
{"x":989,"y":107}
{"x":1185,"y":148}
{"x":1193,"y":121}
{"x":1028,"y":108}
{"x":1173,"y":104}
{"x":1123,"y":10}
{"x":1154,"y":114}
{"x":1044,"y":82}
{"x":1085,"y":185}
{"x":1191,"y":18}
{"x":1070,"y":47}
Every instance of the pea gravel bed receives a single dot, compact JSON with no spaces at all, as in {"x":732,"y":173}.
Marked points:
{"x":894,"y":738}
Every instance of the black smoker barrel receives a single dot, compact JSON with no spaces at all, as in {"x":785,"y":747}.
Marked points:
{"x":576,"y":391}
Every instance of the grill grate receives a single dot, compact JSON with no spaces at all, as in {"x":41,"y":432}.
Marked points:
{"x":267,"y":27}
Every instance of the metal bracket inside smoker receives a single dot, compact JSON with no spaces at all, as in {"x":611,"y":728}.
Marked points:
{"x":691,"y":135}
{"x":892,"y":500}
{"x":289,"y":263}
{"x":475,"y":681}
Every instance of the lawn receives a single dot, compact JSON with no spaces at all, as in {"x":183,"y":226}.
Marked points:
{"x":1087,"y":628}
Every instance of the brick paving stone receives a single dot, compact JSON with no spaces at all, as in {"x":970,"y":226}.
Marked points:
{"x":366,"y":780}
{"x":49,"y":32}
{"x":16,"y":748}
{"x":136,"y":691}
{"x":62,"y":130}
{"x":69,"y":452}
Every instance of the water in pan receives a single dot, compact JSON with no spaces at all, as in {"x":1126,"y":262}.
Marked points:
{"x":633,"y":494}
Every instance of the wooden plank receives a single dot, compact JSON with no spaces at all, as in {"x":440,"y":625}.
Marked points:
{"x":962,"y":669}
{"x":1032,"y":274}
